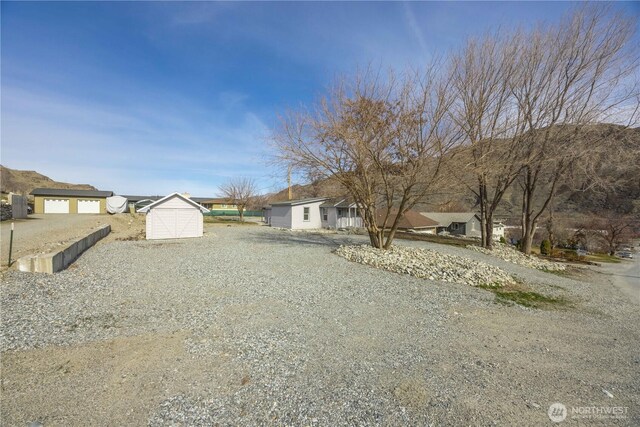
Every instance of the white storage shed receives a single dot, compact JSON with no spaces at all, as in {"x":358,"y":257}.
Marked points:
{"x":174,"y":217}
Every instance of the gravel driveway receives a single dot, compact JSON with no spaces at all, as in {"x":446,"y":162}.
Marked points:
{"x":257,"y":326}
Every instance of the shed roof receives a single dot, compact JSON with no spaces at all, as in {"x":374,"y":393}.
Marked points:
{"x":186,"y":199}
{"x":444,"y":219}
{"x":299,"y":201}
{"x":64,"y":192}
{"x":410,"y":220}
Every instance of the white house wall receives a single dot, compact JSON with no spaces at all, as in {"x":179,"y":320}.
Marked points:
{"x":297,"y":216}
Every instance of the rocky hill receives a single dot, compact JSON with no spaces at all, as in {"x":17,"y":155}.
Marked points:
{"x":22,"y":182}
{"x":624,"y":199}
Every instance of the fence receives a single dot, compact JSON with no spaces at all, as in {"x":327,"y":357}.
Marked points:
{"x":233,"y":213}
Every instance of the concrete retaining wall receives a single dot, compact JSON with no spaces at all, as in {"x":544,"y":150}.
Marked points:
{"x":58,"y":261}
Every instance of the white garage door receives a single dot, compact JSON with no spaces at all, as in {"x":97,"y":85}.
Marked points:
{"x":56,"y":205}
{"x":174,"y":223}
{"x":88,"y":206}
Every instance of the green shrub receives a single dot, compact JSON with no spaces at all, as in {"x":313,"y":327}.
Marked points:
{"x":545,"y":247}
{"x":503,"y":240}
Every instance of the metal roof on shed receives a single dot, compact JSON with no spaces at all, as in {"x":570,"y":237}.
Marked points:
{"x":70,"y":193}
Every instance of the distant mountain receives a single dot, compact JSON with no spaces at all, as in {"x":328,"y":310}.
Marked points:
{"x":23,"y":182}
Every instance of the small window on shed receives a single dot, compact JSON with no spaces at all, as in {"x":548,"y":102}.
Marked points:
{"x":306,"y":214}
{"x":324,"y":214}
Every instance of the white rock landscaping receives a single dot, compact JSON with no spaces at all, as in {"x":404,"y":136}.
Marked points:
{"x":510,"y":254}
{"x":426,"y":264}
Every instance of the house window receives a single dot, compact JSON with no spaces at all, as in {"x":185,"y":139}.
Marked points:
{"x":454,"y":226}
{"x":324,"y":214}
{"x":306,"y":214}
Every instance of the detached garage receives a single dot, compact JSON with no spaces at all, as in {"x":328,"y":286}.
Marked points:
{"x":174,"y":217}
{"x":63,"y":201}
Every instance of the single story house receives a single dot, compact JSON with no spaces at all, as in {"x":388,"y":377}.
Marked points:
{"x":411,"y":221}
{"x":340,"y":212}
{"x":174,"y":217}
{"x":67,"y":201}
{"x":218,"y":204}
{"x":135,"y":200}
{"x":462,"y":224}
{"x":300,"y":214}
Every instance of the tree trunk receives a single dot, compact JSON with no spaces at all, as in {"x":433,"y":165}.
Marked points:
{"x":241,"y":212}
{"x":482,"y":191}
{"x":488,"y":230}
{"x":375,"y":234}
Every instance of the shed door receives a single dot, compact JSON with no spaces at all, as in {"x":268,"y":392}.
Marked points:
{"x":88,"y":206}
{"x":176,"y":223}
{"x":56,"y":205}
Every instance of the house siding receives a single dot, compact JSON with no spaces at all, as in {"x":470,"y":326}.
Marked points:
{"x":281,"y":216}
{"x":332,"y":218}
{"x":297,"y":216}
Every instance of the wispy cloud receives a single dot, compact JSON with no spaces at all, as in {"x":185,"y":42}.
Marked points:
{"x":414,"y":27}
{"x":144,"y":149}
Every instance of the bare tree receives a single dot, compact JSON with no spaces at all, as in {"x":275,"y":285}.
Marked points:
{"x":617,"y":230}
{"x":383,"y":138}
{"x":567,"y":78}
{"x":482,"y":73}
{"x":240,"y":192}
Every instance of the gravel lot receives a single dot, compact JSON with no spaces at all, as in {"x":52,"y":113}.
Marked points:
{"x":256,"y":326}
{"x":42,"y":233}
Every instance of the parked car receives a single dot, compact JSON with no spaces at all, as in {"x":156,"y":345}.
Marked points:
{"x":581,"y":252}
{"x":627,"y":255}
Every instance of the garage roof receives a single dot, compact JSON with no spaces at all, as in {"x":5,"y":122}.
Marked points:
{"x":70,"y":193}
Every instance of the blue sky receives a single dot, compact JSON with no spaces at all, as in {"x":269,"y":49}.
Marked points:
{"x":151,"y":98}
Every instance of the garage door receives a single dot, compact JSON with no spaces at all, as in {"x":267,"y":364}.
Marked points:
{"x":56,"y":205}
{"x":88,"y":206}
{"x":174,"y":223}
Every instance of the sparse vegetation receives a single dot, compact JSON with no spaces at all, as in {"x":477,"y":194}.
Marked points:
{"x":227,"y":220}
{"x":521,"y":295}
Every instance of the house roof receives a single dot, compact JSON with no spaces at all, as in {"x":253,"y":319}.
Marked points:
{"x":339,"y":202}
{"x":299,"y":201}
{"x":165,"y":198}
{"x":410,"y":220}
{"x":444,"y":219}
{"x":134,"y":199}
{"x":70,"y":192}
{"x":220,"y":200}
{"x":203,"y":200}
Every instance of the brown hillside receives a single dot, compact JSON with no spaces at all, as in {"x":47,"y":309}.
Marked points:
{"x":23,"y":182}
{"x":456,"y":198}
